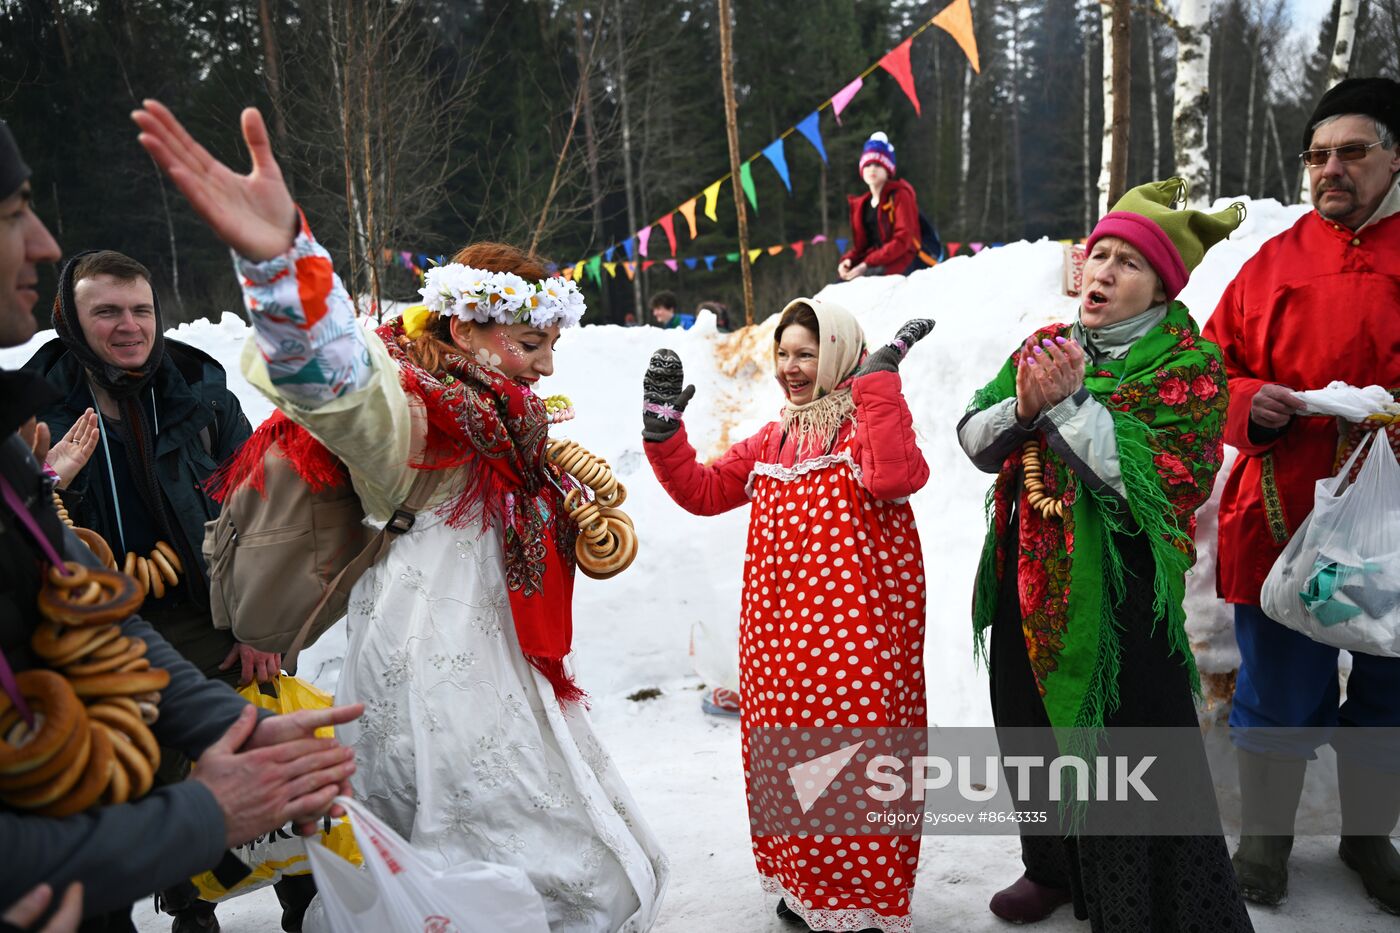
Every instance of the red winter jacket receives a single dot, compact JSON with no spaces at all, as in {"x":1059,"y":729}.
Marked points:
{"x":898,"y":217}
{"x":891,"y":465}
{"x":1318,"y":302}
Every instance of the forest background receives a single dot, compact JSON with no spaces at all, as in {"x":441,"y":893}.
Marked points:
{"x":422,"y":125}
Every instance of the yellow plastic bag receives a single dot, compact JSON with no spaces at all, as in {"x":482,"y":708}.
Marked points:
{"x":281,"y":852}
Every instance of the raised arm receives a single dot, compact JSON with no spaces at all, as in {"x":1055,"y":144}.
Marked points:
{"x":703,"y":490}
{"x":891,"y":464}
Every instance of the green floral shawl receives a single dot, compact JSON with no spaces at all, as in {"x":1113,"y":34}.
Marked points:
{"x":1168,"y":398}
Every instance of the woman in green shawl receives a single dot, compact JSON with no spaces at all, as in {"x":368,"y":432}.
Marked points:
{"x":1106,"y":435}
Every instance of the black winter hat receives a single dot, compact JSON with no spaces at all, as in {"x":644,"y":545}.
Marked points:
{"x":1377,"y":98}
{"x":13,"y":171}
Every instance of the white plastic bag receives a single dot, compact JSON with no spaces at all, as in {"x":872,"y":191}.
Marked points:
{"x":397,"y":890}
{"x":716,"y":655}
{"x":1338,"y":580}
{"x":1347,"y":401}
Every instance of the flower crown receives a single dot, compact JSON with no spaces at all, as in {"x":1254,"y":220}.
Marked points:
{"x":501,"y":297}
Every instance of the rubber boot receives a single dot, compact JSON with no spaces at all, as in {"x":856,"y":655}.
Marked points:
{"x":1370,"y":808}
{"x":1027,"y":901}
{"x":1269,"y":792}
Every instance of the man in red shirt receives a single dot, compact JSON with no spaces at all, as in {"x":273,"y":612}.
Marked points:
{"x":1319,"y":302}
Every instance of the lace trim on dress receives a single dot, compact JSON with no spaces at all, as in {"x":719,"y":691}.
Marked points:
{"x":860,"y":918}
{"x":801,"y":468}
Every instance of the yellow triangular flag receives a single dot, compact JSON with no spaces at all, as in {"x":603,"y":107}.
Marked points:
{"x":578,"y":272}
{"x":956,"y":21}
{"x":688,"y":212}
{"x":754,"y":254}
{"x":711,"y":199}
{"x":612,"y":269}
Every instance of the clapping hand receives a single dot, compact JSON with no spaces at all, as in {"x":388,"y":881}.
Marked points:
{"x":887,"y":358}
{"x":68,"y":457}
{"x":663,"y":399}
{"x":1050,"y":371}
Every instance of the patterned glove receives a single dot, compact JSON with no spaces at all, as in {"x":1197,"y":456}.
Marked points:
{"x":663,"y":399}
{"x":887,"y":358}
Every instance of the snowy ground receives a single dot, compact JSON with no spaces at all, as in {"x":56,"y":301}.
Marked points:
{"x":635,"y":631}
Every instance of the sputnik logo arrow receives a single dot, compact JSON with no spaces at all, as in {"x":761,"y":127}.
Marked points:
{"x":810,"y":780}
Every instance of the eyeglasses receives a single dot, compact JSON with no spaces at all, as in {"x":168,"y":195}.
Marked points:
{"x":1348,"y":153}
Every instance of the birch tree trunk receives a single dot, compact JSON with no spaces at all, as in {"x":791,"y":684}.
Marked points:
{"x":1088,"y":124}
{"x":1191,"y":99}
{"x":965,"y":167}
{"x":1339,"y":66}
{"x":1152,"y":90}
{"x":1249,"y":113}
{"x":1283,"y":178}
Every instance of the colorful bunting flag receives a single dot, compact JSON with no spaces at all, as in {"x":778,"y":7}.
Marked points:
{"x":775,"y":250}
{"x":612,"y":269}
{"x":798,"y":247}
{"x":668,"y":227}
{"x":896,"y":62}
{"x":631,"y":269}
{"x":648,"y":264}
{"x":952,"y":248}
{"x":595,"y":270}
{"x":956,"y":21}
{"x":628,"y":248}
{"x":671,"y":264}
{"x":643,"y":238}
{"x":711,"y":199}
{"x":977,"y":247}
{"x":746,"y":182}
{"x":578,"y":271}
{"x":841,"y":245}
{"x":811,"y":128}
{"x":692,"y":262}
{"x":568,"y":272}
{"x":732,"y":257}
{"x":608,"y":253}
{"x":774,"y":153}
{"x":754,"y":254}
{"x":688,"y":212}
{"x":843,"y":97}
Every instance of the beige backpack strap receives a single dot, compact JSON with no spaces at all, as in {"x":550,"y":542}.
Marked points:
{"x":425,"y":484}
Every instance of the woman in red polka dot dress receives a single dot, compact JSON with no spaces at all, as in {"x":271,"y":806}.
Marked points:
{"x":832,"y":616}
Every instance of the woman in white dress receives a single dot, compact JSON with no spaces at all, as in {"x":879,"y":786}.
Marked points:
{"x":474,"y":743}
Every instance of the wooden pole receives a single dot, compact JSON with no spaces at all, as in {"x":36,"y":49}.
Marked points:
{"x":731,"y":120}
{"x":1122,"y":74}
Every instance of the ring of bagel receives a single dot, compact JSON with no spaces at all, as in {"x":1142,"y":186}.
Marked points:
{"x":97,"y":545}
{"x":149,"y":711}
{"x":138,"y":769}
{"x":119,"y":789}
{"x":126,"y":703}
{"x":57,"y":714}
{"x":129,"y":683}
{"x":137,"y":649}
{"x":140,"y":664}
{"x":110,"y":650}
{"x":55,"y":765}
{"x":170,"y":554}
{"x":71,"y":576}
{"x":61,"y":783}
{"x":59,"y":645}
{"x":120,"y":598}
{"x":95,"y":778}
{"x":131,"y":726}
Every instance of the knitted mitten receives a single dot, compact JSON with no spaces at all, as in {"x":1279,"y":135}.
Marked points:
{"x":887,"y":358}
{"x":663,"y":399}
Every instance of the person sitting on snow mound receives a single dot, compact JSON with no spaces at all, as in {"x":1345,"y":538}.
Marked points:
{"x":475,"y":744}
{"x":1105,"y":436}
{"x":845,"y":435}
{"x":888,"y":235}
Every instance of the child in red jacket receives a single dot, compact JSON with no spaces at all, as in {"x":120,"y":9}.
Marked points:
{"x":886,"y":235}
{"x":829,"y":483}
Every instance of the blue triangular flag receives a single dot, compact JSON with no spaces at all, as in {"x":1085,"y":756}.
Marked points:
{"x":552,"y":267}
{"x":608,"y":253}
{"x":841,"y":244}
{"x":710,"y":263}
{"x":774,"y":154}
{"x":810,"y":128}
{"x":691,"y":263}
{"x":628,"y":247}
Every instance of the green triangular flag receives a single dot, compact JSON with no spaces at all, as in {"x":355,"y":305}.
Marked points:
{"x":595,"y":269}
{"x":746,"y":182}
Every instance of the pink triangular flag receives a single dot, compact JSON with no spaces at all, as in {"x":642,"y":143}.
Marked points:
{"x":672,"y":265}
{"x":896,"y":62}
{"x":843,"y":97}
{"x":642,"y":237}
{"x":977,"y":247}
{"x":819,"y":238}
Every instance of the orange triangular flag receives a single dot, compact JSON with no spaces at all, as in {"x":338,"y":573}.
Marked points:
{"x":775,"y":250}
{"x":688,"y":212}
{"x":956,"y":21}
{"x":631,"y":269}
